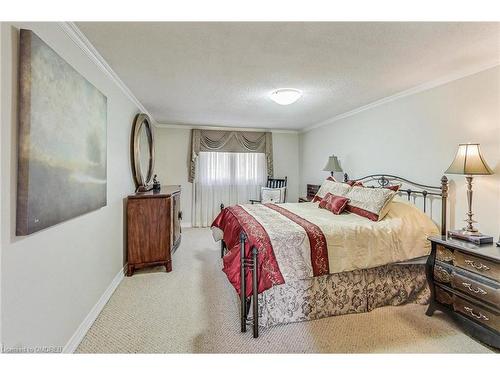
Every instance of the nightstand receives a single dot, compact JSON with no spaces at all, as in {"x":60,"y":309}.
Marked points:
{"x":464,"y":280}
{"x":311,"y":192}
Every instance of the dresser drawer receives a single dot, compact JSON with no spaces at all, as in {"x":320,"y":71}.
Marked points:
{"x":444,"y":254}
{"x":469,"y":309}
{"x":443,"y":296}
{"x":468,"y":282}
{"x":442,"y":274}
{"x":476,"y":289}
{"x":477,"y":265}
{"x":478,"y":314}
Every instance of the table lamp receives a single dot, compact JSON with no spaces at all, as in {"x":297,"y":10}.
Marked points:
{"x":333,"y":165}
{"x":469,"y":162}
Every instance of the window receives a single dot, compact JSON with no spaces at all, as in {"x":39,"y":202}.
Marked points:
{"x":226,"y":177}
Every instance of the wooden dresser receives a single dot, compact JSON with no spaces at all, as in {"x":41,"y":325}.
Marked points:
{"x":465,"y":282}
{"x":153,"y":228}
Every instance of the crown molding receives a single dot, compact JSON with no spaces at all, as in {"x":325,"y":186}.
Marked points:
{"x":414,"y":90}
{"x":82,"y":42}
{"x":86,"y":46}
{"x":215,"y":127}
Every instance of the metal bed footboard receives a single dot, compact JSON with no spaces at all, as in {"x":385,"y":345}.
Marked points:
{"x":247,"y":264}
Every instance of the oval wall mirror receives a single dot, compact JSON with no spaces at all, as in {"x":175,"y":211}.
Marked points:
{"x":142,"y":152}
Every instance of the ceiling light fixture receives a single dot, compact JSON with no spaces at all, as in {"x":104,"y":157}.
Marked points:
{"x":285,"y":96}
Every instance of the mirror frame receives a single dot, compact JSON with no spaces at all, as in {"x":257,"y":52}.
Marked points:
{"x":141,"y":184}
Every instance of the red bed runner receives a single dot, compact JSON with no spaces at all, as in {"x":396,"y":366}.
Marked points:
{"x":317,"y":240}
{"x":232,"y":220}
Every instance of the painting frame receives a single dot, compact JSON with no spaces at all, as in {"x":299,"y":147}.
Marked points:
{"x":62,"y":139}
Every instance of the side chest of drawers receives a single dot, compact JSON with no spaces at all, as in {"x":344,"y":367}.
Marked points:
{"x":153,"y":228}
{"x":465,"y":282}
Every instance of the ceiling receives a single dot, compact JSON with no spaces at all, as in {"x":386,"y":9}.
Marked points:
{"x":220,"y":74}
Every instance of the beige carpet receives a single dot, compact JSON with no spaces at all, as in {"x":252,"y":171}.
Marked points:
{"x":194,"y":309}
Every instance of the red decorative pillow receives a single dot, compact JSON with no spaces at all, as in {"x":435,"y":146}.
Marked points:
{"x":334,"y":203}
{"x":354,"y":183}
{"x":331,"y":179}
{"x":359,"y":183}
{"x":393,"y":187}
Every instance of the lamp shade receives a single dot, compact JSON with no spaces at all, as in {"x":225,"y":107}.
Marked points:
{"x":469,"y":161}
{"x":333,"y":165}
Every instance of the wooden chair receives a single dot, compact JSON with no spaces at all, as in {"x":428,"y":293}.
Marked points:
{"x":274,"y":183}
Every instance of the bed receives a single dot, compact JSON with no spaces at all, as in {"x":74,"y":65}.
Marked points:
{"x":295,"y":261}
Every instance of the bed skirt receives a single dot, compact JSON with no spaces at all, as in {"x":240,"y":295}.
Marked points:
{"x":343,"y":293}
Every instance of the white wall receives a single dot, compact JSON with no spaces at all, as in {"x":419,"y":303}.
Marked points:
{"x":286,"y":161}
{"x":172,"y":147}
{"x":50,"y":280}
{"x":172,"y":150}
{"x":417,"y":137}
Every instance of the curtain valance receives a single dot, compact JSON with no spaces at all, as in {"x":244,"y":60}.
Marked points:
{"x":230,"y":141}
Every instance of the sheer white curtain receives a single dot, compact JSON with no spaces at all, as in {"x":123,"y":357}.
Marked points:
{"x":226,"y":177}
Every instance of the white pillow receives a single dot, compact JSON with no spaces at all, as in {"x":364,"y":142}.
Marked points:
{"x":372,"y":203}
{"x":272,"y":195}
{"x":335,"y":188}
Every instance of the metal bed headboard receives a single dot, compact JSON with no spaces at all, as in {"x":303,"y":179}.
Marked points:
{"x":425,"y":191}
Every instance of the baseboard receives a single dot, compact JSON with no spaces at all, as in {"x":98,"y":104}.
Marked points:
{"x":82,"y":330}
{"x":186,"y":224}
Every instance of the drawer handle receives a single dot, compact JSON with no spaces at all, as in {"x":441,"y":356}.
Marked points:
{"x":477,"y":316}
{"x":441,"y":274}
{"x":477,"y":266}
{"x":474,"y":290}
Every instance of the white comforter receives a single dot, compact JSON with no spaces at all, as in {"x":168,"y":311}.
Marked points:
{"x":355,"y":242}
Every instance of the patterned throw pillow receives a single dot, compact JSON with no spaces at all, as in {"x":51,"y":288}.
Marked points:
{"x":372,"y":203}
{"x":354,"y":183}
{"x":272,"y":195}
{"x":359,"y":183}
{"x":334,"y":203}
{"x":393,"y":187}
{"x":336,"y":188}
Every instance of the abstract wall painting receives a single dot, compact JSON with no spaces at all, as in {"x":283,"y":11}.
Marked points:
{"x":62,"y":139}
